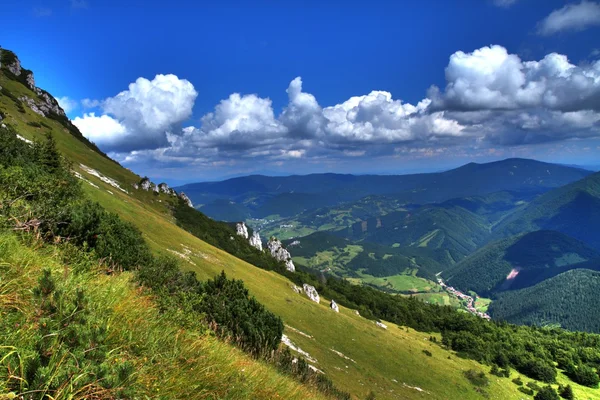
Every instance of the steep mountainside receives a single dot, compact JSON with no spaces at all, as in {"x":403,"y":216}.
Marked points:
{"x":518,"y":262}
{"x":573,"y":209}
{"x":567,"y":300}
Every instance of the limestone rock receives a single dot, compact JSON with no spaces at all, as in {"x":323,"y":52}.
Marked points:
{"x":136,"y":186}
{"x":145,"y":184}
{"x":311,"y":292}
{"x":30,"y":81}
{"x":155,"y":188}
{"x":241,"y":230}
{"x":289,"y":265}
{"x":281,"y":254}
{"x":164,"y":188}
{"x":255,"y":241}
{"x":296,"y":289}
{"x":187,"y":200}
{"x":14,"y":67}
{"x":334,"y":306}
{"x":32,"y":104}
{"x":381,"y":325}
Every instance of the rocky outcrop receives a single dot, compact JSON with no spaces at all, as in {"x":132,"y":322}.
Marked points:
{"x":145,"y":184}
{"x":44,"y":104}
{"x":334,"y":306}
{"x":164,"y":188}
{"x":255,"y":241}
{"x":10,"y":62}
{"x":381,"y":325}
{"x":281,"y":254}
{"x":43,"y":108}
{"x":155,"y":188}
{"x":187,"y":200}
{"x":241,"y":230}
{"x":311,"y":292}
{"x":32,"y":104}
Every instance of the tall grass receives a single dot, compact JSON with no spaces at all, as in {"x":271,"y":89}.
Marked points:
{"x":155,"y":356}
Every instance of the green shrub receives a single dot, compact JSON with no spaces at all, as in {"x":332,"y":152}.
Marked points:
{"x":533,"y":386}
{"x":566,"y":392}
{"x":427,"y":353}
{"x":583,"y":374}
{"x":518,"y":381}
{"x":525,"y":390}
{"x":477,"y":378}
{"x":547,"y":393}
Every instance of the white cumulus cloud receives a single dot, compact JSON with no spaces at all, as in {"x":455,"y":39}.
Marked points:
{"x":147,"y":111}
{"x":492,"y":79}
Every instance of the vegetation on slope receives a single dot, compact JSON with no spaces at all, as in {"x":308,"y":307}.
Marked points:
{"x":530,"y":257}
{"x":113,"y":341}
{"x":566,"y":300}
{"x":573,"y":209}
{"x":40,"y":195}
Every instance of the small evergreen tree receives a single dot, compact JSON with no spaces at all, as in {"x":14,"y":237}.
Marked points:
{"x":566,"y":392}
{"x":547,"y":393}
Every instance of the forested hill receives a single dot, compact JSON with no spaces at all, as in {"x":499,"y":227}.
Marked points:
{"x":517,"y":262}
{"x":567,"y":300}
{"x":573,"y":209}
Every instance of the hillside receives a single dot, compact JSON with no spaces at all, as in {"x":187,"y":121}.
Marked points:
{"x":573,"y":209}
{"x":562,"y":300}
{"x":131,"y":228}
{"x":262,"y":196}
{"x":518,"y":262}
{"x":450,"y":228}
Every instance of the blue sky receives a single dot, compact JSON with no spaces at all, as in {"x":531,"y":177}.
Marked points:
{"x":228,"y":88}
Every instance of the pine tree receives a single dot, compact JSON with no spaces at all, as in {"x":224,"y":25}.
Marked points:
{"x":566,"y":392}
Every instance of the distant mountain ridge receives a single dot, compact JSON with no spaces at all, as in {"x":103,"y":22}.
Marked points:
{"x":259,"y":195}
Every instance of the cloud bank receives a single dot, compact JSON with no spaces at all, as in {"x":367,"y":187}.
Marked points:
{"x":491,"y":98}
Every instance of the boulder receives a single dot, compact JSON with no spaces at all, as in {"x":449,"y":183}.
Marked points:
{"x":334,"y":306}
{"x":241,"y":230}
{"x":255,"y":241}
{"x":311,"y":292}
{"x":381,"y":325}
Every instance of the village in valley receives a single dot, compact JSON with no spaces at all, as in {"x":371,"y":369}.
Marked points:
{"x":470,"y":302}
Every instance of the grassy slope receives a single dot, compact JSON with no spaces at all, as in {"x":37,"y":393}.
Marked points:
{"x":167,"y":360}
{"x":385,"y":359}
